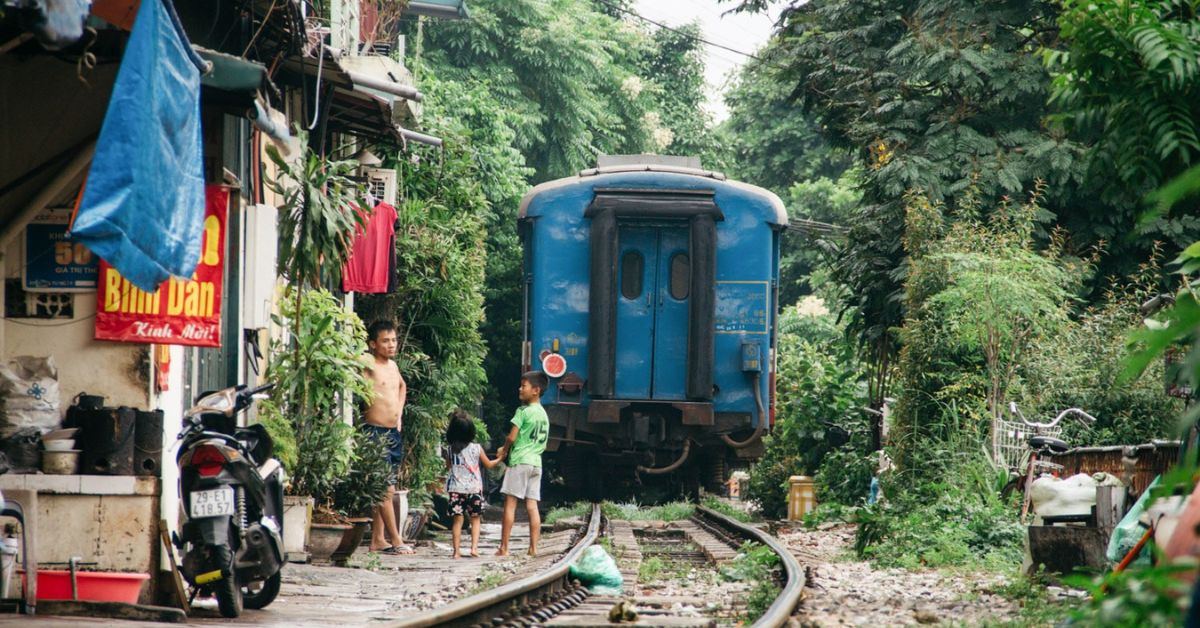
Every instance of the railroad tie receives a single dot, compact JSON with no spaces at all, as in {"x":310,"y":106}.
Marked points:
{"x":714,"y":548}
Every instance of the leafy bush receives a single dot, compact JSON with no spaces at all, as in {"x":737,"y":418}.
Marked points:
{"x":1139,"y":596}
{"x":978,"y":297}
{"x":819,"y":395}
{"x":955,"y":529}
{"x":1082,"y":366}
{"x":315,"y":372}
{"x":371,"y":473}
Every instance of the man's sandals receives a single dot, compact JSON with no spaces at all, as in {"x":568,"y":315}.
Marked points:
{"x":397,"y":550}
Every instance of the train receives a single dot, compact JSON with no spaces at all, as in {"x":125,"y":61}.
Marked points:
{"x":650,"y":300}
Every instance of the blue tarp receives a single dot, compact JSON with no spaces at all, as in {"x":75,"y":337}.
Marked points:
{"x":143,"y":207}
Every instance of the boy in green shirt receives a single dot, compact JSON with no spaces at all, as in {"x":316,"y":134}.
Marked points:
{"x":524,"y":446}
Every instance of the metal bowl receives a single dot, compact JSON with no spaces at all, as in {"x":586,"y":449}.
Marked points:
{"x":63,"y":444}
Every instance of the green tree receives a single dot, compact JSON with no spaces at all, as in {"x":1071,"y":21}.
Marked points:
{"x":807,"y":250}
{"x":978,"y":298}
{"x":560,"y":67}
{"x":674,"y":64}
{"x":931,"y":95}
{"x":1127,"y":79}
{"x":775,"y":144}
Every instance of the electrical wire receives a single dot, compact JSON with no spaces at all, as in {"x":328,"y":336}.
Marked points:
{"x":317,"y":89}
{"x":622,"y":9}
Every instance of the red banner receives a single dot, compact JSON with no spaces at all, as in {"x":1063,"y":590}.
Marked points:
{"x":180,"y":312}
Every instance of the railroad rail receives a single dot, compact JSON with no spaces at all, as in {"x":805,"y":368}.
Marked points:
{"x":785,"y":604}
{"x":536,"y":599}
{"x":546,"y":593}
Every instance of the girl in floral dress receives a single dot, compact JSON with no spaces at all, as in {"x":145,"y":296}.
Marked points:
{"x":464,"y":481}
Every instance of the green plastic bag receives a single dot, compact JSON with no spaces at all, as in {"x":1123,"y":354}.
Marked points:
{"x":597,"y":571}
{"x":1129,"y":532}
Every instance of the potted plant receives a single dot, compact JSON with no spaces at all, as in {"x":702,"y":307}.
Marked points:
{"x":316,"y":372}
{"x":362,"y":489}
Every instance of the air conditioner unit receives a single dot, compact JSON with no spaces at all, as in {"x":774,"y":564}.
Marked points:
{"x":262,"y":246}
{"x":381,"y":184}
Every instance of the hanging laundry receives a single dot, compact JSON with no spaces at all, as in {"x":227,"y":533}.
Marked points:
{"x":372,"y":262}
{"x":143,"y":207}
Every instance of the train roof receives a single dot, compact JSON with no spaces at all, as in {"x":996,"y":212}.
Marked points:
{"x":647,"y":175}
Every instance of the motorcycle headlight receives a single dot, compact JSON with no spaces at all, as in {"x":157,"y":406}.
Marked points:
{"x":220,"y":401}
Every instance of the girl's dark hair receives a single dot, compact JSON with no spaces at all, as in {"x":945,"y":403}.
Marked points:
{"x":461,"y":431}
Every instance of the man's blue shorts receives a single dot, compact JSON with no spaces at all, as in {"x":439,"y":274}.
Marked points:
{"x":394,"y":441}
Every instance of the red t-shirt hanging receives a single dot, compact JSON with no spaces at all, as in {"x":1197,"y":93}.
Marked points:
{"x":367,"y":270}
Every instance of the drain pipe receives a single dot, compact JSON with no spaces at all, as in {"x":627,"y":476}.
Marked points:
{"x":687,"y":448}
{"x":762,"y":420}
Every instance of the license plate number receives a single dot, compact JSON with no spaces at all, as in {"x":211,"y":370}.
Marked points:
{"x":217,"y":502}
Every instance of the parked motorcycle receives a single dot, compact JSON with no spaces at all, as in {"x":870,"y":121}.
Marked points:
{"x":232,"y":493}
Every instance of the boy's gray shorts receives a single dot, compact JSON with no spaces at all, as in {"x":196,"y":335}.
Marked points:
{"x":523,"y":481}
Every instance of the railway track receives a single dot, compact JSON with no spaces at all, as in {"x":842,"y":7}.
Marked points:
{"x":549,"y":598}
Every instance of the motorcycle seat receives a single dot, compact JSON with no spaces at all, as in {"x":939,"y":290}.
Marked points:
{"x":257,"y":441}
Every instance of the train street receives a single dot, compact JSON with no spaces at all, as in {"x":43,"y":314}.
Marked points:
{"x":753,"y":312}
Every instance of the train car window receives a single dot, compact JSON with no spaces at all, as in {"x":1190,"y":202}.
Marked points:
{"x":681,"y":276}
{"x":631,"y":275}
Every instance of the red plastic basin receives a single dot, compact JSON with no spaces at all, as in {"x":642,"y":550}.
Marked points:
{"x":55,"y":584}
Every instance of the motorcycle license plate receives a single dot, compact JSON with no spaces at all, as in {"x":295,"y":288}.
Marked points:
{"x":217,"y":502}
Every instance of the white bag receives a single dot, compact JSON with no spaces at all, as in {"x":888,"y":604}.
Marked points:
{"x":30,"y":386}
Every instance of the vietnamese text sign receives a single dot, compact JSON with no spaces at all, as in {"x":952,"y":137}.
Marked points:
{"x":53,"y":263}
{"x":742,"y":307}
{"x":180,"y":312}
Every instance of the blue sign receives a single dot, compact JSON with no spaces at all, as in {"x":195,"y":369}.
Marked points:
{"x":54,"y":263}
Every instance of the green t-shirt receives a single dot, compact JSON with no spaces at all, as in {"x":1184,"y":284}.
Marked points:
{"x":533,"y":427}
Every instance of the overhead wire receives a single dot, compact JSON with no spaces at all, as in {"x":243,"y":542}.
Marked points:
{"x":617,"y":7}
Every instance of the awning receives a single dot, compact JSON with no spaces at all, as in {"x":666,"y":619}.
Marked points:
{"x":446,"y":9}
{"x":365,"y":101}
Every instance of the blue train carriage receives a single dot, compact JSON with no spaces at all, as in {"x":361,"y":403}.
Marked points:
{"x":650,"y":289}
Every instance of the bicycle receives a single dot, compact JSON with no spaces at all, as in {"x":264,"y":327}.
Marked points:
{"x":1020,"y":446}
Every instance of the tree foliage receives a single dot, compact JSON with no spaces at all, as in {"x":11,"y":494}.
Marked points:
{"x":1130,"y":75}
{"x":673,"y":68}
{"x":774,"y":144}
{"x":560,"y":68}
{"x":931,"y":95}
{"x":820,"y":428}
{"x":978,"y":298}
{"x":438,"y":304}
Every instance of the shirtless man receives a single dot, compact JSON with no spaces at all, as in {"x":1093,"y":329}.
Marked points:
{"x":383,"y":421}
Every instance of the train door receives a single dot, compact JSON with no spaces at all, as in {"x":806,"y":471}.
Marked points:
{"x":652,"y":312}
